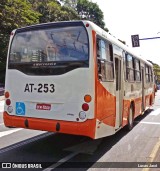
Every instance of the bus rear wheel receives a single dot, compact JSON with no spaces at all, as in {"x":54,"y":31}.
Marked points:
{"x":130,"y":119}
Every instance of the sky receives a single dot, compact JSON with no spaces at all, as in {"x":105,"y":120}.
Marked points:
{"x":124,"y":18}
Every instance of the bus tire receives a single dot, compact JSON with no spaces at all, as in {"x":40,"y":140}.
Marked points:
{"x":130,"y":119}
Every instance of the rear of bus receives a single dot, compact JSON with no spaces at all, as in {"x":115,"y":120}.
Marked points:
{"x":50,"y":79}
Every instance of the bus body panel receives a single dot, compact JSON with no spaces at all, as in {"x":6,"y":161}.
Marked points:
{"x":64,"y":104}
{"x":32,"y":98}
{"x":105,"y":113}
{"x":36,"y":106}
{"x":86,"y":128}
{"x":103,"y":129}
{"x":104,"y":102}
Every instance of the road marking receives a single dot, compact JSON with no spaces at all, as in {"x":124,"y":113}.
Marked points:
{"x":5,"y":133}
{"x":153,"y":154}
{"x":155,"y":113}
{"x":150,"y":123}
{"x":60,"y":162}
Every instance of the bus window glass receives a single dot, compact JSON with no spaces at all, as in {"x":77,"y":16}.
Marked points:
{"x":109,"y":62}
{"x":105,"y":60}
{"x":129,"y":68}
{"x":150,"y":75}
{"x":147,"y":74}
{"x":137,"y":64}
{"x":130,"y":61}
{"x":131,"y":75}
{"x":147,"y":69}
{"x":109,"y":71}
{"x":54,"y":44}
{"x":137,"y":76}
{"x":137,"y":70}
{"x":103,"y":51}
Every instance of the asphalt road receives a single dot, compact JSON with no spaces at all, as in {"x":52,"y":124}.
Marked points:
{"x":58,"y":151}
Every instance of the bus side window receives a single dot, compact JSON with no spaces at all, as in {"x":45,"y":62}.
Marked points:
{"x":99,"y":59}
{"x":137,"y":70}
{"x":130,"y":68}
{"x":147,"y":74}
{"x":101,"y":56}
{"x":105,"y":60}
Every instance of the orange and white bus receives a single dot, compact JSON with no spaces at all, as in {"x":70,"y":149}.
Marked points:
{"x":74,"y":78}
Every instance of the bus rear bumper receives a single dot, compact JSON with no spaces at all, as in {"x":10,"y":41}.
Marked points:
{"x":86,"y":128}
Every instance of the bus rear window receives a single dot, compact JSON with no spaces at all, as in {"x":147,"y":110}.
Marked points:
{"x":50,"y":45}
{"x":60,"y":44}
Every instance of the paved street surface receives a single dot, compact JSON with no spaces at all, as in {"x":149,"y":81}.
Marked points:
{"x":142,"y":144}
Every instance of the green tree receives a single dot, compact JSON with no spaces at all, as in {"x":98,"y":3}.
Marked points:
{"x":90,"y":11}
{"x":51,"y":10}
{"x":13,"y":14}
{"x":87,"y":11}
{"x":71,"y":14}
{"x":70,"y":3}
{"x":17,"y":13}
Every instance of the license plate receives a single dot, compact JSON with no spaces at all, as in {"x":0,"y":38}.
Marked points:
{"x":43,"y":106}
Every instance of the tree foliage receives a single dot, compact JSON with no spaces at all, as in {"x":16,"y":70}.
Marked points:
{"x":70,"y":3}
{"x":87,"y":10}
{"x":18,"y":13}
{"x":90,"y":11}
{"x":13,"y":14}
{"x":51,"y":10}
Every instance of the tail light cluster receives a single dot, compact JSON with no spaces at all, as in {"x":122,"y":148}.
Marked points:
{"x":8,"y":102}
{"x":85,"y":106}
{"x":7,"y":94}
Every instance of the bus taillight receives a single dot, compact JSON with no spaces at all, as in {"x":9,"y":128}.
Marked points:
{"x":87,"y":98}
{"x":85,"y":106}
{"x":6,"y":94}
{"x":87,"y":25}
{"x":8,"y":102}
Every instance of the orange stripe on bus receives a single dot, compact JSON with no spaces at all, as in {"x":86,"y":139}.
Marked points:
{"x":106,"y":105}
{"x":86,"y":128}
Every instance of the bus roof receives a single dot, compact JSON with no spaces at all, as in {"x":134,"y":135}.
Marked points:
{"x":96,"y":28}
{"x":115,"y":41}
